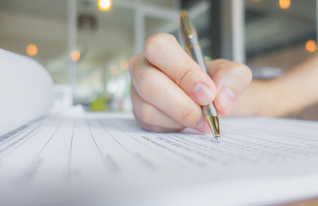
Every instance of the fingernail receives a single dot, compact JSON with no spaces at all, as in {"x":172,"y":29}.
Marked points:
{"x":203,"y":94}
{"x":203,"y":127}
{"x":226,"y":98}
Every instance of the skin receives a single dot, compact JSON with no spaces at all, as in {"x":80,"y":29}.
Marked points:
{"x":168,"y":87}
{"x":278,"y":97}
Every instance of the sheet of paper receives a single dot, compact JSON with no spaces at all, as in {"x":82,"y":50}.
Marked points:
{"x":26,"y":91}
{"x":114,"y":159}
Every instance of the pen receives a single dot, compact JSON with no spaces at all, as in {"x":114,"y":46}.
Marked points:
{"x":192,"y":45}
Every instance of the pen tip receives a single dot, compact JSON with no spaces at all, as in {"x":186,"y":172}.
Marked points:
{"x":218,"y":139}
{"x":213,"y":122}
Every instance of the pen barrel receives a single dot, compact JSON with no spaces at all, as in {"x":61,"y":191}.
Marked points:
{"x":196,"y":54}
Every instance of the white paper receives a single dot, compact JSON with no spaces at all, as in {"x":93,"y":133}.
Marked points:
{"x":113,"y":160}
{"x":26,"y":91}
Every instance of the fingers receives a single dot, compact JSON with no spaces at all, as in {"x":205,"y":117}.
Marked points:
{"x":159,"y":90}
{"x":151,"y":118}
{"x":168,"y":87}
{"x":164,"y":52}
{"x":231,"y":79}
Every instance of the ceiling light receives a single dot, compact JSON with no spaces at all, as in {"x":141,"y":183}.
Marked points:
{"x":104,"y":5}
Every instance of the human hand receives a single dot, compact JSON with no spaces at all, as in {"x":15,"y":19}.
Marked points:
{"x":169,"y":87}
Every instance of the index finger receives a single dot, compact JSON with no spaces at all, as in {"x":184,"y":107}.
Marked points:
{"x":164,"y":52}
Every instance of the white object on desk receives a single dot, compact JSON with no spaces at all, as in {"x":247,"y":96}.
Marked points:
{"x":26,"y":90}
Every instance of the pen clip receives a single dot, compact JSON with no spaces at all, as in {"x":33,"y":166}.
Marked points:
{"x":185,"y":20}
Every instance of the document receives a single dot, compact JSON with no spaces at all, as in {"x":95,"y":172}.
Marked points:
{"x":109,"y":158}
{"x":26,"y":91}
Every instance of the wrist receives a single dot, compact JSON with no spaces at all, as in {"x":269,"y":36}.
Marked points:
{"x":256,"y":100}
{"x":275,"y":103}
{"x":268,"y":95}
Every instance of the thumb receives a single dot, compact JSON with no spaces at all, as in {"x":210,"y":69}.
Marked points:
{"x":230,"y":79}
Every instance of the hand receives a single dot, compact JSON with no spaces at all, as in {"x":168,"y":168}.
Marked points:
{"x":169,"y":87}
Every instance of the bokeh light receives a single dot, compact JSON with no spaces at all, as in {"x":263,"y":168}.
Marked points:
{"x":124,"y":64}
{"x":284,"y":4}
{"x":104,"y":5}
{"x":114,"y":70}
{"x":311,"y":46}
{"x":75,"y":55}
{"x":31,"y":50}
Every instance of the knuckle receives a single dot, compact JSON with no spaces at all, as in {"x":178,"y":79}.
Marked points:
{"x":156,"y":41}
{"x":184,"y":75}
{"x":158,"y":38}
{"x":190,"y":117}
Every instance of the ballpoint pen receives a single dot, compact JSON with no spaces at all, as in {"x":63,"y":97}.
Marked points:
{"x":192,"y":45}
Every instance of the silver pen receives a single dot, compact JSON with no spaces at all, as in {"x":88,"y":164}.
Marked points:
{"x":192,"y":45}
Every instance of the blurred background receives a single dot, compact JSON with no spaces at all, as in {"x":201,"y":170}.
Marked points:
{"x":85,"y":44}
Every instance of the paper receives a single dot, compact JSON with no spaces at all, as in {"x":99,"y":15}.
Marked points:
{"x":113,"y":157}
{"x":26,"y":91}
